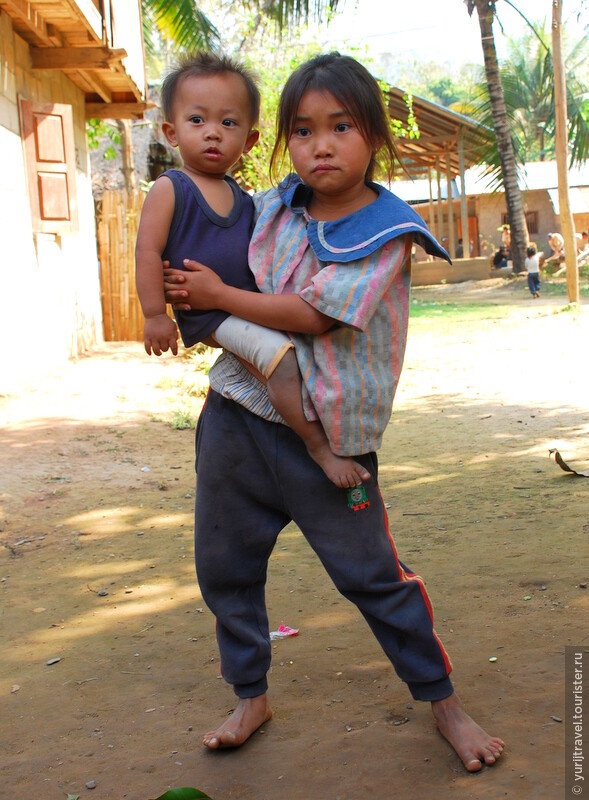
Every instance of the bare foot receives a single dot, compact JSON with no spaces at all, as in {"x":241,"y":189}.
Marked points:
{"x":247,"y":717}
{"x":470,"y":741}
{"x":341,"y":470}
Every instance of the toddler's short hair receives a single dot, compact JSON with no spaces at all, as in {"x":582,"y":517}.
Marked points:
{"x":206,"y":63}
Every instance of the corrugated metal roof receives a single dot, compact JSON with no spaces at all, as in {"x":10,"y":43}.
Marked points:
{"x":537,"y":175}
{"x":440,"y":131}
{"x":578,"y":202}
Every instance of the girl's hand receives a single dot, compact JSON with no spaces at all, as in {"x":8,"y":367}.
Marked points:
{"x":174,"y":291}
{"x":200,"y":287}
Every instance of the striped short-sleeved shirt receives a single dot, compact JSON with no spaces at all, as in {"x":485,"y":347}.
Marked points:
{"x":350,"y":373}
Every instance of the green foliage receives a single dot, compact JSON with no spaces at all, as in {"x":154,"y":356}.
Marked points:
{"x":179,"y":25}
{"x":527,"y":77}
{"x":286,"y":13}
{"x":183,"y":419}
{"x":440,"y":83}
{"x":96,"y":129}
{"x":423,"y":312}
{"x":185,"y":793}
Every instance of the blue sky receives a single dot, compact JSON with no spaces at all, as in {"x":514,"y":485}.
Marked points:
{"x":435,"y":30}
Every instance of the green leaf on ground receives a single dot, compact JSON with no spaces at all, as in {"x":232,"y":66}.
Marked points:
{"x":185,"y":793}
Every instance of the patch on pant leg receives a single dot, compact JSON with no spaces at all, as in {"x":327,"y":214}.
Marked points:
{"x":357,"y":499}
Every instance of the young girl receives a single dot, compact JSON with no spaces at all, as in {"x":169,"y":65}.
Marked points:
{"x":331,"y":253}
{"x":211,"y":106}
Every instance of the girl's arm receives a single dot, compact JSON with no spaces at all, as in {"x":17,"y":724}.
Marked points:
{"x":202,"y":288}
{"x":160,"y":333}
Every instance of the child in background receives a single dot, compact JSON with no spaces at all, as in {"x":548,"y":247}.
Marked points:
{"x":532,"y":264}
{"x":331,"y":251}
{"x":211,"y":106}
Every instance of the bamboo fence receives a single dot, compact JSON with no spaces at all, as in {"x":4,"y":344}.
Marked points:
{"x":117,"y":221}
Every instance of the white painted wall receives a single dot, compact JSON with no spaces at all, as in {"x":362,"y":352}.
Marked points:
{"x":50,"y":308}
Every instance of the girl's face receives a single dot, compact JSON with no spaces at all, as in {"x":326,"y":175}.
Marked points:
{"x":327,"y":149}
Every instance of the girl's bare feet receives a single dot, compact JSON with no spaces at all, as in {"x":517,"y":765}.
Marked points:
{"x":247,"y":717}
{"x":472,"y":744}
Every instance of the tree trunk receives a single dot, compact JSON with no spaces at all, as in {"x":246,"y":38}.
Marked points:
{"x":128,"y":168}
{"x":515,"y":209}
{"x":560,"y":96}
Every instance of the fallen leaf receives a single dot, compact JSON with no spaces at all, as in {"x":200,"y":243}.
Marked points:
{"x":185,"y":793}
{"x":563,"y":465}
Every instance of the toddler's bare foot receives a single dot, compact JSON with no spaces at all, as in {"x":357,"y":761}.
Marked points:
{"x":247,"y":717}
{"x":341,"y":470}
{"x":470,"y":741}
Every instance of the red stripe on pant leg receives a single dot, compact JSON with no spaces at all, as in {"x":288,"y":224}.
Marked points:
{"x":409,"y":575}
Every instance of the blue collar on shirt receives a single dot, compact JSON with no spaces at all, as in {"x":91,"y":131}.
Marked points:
{"x":361,"y":233}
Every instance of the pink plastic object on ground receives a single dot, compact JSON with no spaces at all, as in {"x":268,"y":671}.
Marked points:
{"x":283,"y":631}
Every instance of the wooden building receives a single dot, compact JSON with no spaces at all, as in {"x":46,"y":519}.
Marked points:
{"x":61,"y":63}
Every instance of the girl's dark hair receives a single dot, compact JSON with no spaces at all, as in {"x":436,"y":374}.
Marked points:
{"x":360,"y":95}
{"x":205,"y":63}
{"x":531,"y":251}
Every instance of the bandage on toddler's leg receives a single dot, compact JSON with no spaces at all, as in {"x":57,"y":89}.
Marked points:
{"x":262,"y":347}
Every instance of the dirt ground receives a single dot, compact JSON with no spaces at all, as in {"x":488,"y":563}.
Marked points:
{"x":97,"y":576}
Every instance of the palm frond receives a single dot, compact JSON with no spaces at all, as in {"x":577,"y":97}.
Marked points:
{"x":181,"y":22}
{"x":294,"y":12}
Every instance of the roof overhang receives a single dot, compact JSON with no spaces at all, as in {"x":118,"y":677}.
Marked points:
{"x":579,"y":203}
{"x":102,"y":53}
{"x":445,"y":138}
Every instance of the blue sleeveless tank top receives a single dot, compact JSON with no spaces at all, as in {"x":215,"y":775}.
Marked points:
{"x":221,"y":243}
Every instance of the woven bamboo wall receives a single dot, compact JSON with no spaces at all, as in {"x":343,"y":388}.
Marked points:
{"x":117,"y":221}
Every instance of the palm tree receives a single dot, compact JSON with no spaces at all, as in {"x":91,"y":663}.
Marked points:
{"x":515,"y":209}
{"x":528,"y":78}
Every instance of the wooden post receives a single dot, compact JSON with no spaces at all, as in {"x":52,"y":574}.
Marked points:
{"x":431,"y":201}
{"x":463,"y":206}
{"x":561,"y":150}
{"x":440,"y":210}
{"x":451,"y":236}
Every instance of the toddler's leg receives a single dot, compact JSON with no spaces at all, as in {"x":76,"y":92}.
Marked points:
{"x":270,"y":356}
{"x":284,"y":390}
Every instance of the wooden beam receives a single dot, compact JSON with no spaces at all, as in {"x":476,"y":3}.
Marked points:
{"x":116,"y":110}
{"x":26,"y":16}
{"x":84,"y":58}
{"x":86,"y":11}
{"x":54,"y":35}
{"x":94,"y":85}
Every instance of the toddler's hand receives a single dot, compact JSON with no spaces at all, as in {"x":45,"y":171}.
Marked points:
{"x":159,"y":335}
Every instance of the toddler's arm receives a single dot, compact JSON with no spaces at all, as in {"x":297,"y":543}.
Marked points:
{"x":200,"y":287}
{"x":160,"y":332}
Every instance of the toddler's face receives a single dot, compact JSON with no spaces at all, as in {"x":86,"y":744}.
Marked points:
{"x":211,"y":123}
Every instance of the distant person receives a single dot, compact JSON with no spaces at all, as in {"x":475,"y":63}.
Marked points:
{"x":532,"y":264}
{"x":460,"y":249}
{"x":583,"y":255}
{"x":582,"y":242}
{"x":556,"y":243}
{"x":506,"y":236}
{"x":500,"y":258}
